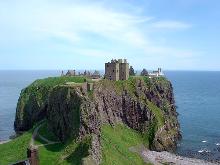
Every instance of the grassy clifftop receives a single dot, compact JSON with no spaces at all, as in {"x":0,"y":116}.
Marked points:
{"x":33,"y":100}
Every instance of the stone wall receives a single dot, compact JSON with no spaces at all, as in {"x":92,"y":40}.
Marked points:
{"x":123,"y":71}
{"x":117,"y":70}
{"x":112,"y":71}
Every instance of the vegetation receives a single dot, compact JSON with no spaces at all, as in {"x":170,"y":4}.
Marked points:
{"x":150,"y":134}
{"x":158,"y":114}
{"x":15,"y":150}
{"x":116,"y":142}
{"x":34,"y":98}
{"x":131,"y":71}
{"x":72,"y":152}
{"x":40,"y":88}
{"x":144,"y":72}
{"x":64,"y":154}
{"x":46,"y":133}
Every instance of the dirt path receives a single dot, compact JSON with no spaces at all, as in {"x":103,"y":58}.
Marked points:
{"x":35,"y":134}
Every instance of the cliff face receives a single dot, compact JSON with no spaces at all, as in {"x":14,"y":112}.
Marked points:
{"x":31,"y":107}
{"x":145,"y":105}
{"x":33,"y":101}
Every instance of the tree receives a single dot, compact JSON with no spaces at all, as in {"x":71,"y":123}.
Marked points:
{"x":131,"y":71}
{"x":144,"y":72}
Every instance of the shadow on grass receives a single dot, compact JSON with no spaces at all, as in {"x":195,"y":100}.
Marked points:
{"x":71,"y":151}
{"x":79,"y":153}
{"x":55,"y":147}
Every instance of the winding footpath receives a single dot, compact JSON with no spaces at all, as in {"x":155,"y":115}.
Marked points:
{"x":35,"y":134}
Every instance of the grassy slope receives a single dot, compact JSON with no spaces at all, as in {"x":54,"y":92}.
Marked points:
{"x":116,"y":142}
{"x":63,"y":154}
{"x":70,"y":153}
{"x":15,"y":150}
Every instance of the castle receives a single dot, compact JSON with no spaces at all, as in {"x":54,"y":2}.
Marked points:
{"x":117,"y":70}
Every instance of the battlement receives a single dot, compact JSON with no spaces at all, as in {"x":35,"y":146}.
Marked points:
{"x":120,"y":61}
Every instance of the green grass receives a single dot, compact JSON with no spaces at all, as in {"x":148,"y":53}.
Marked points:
{"x":47,"y":134}
{"x":158,"y":114}
{"x":150,"y":134}
{"x":38,"y":93}
{"x":40,"y":88}
{"x":70,"y":153}
{"x":15,"y":150}
{"x":52,"y":81}
{"x":43,"y":131}
{"x":116,"y":142}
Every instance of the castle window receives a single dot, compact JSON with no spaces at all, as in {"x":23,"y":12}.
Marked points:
{"x":107,"y":65}
{"x":113,"y":70}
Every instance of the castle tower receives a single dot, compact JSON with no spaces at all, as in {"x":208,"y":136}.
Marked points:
{"x":123,"y":70}
{"x":112,"y":70}
{"x":117,"y":70}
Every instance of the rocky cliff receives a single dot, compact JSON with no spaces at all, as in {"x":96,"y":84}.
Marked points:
{"x":74,"y":111}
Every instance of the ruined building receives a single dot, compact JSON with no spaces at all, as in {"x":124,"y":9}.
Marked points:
{"x":71,"y":73}
{"x":117,"y":70}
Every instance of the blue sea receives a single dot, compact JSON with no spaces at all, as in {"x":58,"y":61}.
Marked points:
{"x":197,"y":96}
{"x":11,"y":84}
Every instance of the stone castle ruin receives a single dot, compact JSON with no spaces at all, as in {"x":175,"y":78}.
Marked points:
{"x":117,"y":70}
{"x":88,"y":74}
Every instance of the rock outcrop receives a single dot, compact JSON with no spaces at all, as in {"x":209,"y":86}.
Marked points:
{"x":145,"y":105}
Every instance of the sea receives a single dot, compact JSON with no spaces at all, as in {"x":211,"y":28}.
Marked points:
{"x":197,"y":95}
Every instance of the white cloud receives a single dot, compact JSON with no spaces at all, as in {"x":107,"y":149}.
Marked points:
{"x":72,"y":22}
{"x":171,"y":25}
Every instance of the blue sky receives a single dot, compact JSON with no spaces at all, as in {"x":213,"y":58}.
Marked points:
{"x":83,"y":34}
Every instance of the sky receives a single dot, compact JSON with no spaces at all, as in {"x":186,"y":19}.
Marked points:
{"x":84,"y":34}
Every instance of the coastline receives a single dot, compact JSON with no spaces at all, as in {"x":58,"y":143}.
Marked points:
{"x":158,"y":158}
